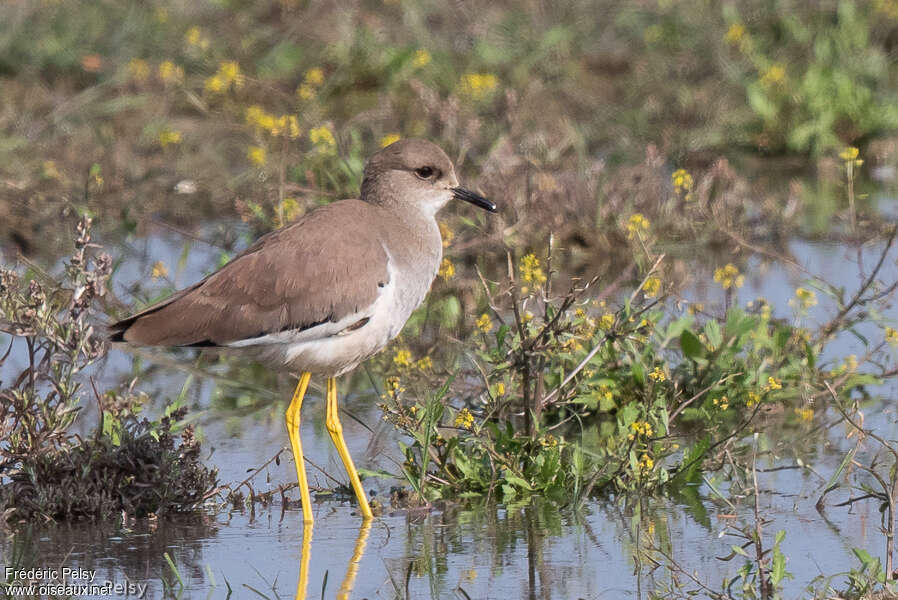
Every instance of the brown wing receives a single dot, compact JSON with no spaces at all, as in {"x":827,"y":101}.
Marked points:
{"x":326,"y":266}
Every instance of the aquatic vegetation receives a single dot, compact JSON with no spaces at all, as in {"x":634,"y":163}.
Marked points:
{"x":130,"y":463}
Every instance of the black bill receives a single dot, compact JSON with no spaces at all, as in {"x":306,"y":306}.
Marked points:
{"x":474,"y":198}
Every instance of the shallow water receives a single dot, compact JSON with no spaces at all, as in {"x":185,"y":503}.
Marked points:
{"x":454,"y":551}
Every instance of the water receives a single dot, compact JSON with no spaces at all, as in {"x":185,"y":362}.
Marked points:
{"x":533,"y":550}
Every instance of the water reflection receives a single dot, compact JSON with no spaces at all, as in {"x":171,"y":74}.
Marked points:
{"x":352,"y":569}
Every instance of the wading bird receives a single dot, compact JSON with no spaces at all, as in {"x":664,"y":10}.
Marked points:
{"x":326,"y":292}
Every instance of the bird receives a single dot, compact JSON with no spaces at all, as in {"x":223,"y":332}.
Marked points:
{"x":325,"y":292}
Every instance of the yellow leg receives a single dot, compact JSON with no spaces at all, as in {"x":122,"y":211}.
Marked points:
{"x":304,"y":563}
{"x":352,"y":569}
{"x":336,"y":431}
{"x":293,"y":431}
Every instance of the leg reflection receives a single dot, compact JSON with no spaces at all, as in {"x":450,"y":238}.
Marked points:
{"x":304,"y":562}
{"x":352,"y":569}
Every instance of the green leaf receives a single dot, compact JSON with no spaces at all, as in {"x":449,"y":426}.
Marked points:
{"x":691,"y":345}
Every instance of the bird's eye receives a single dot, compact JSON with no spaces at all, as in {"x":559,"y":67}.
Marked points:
{"x":425,"y":172}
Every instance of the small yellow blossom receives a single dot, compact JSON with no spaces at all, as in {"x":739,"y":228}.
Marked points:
{"x":549,"y":441}
{"x":892,"y":336}
{"x":753,"y":398}
{"x":651,"y":287}
{"x":424,"y":364}
{"x":305,"y":92}
{"x":422,"y":58}
{"x":774,"y":75}
{"x":257,"y":155}
{"x":682,"y":182}
{"x":388,"y":139}
{"x":477,"y":86}
{"x":530,"y":270}
{"x":722,"y":403}
{"x":735,"y":33}
{"x":323,"y":138}
{"x":729,"y":277}
{"x":641,"y":428}
{"x":657,"y":374}
{"x":447,"y":269}
{"x":484,"y":323}
{"x":646,"y":464}
{"x":402,"y":358}
{"x":159,"y":270}
{"x":446,"y":233}
{"x":806,"y":414}
{"x":804,"y":299}
{"x":194,"y":37}
{"x":228,"y":76}
{"x":606,"y":321}
{"x":527,"y":316}
{"x":850,"y":156}
{"x":169,"y":72}
{"x":464,"y":419}
{"x":168,"y":137}
{"x":314,"y":77}
{"x":258,"y":118}
{"x":500,"y":388}
{"x":637,"y":225}
{"x":138,"y":69}
{"x":772,"y":384}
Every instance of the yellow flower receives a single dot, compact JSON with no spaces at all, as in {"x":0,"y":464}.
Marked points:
{"x":606,"y":321}
{"x":549,"y":441}
{"x":484,"y":323}
{"x":850,"y":156}
{"x":527,"y":316}
{"x":286,"y":126}
{"x":314,"y":77}
{"x":729,"y":277}
{"x":657,"y":374}
{"x":723,"y":402}
{"x":323,"y":139}
{"x":464,"y":419}
{"x":447,"y":234}
{"x":169,"y":72}
{"x":402,"y":358}
{"x":194,"y":37}
{"x":168,"y":136}
{"x":500,"y":388}
{"x":892,"y":336}
{"x":646,"y":464}
{"x":753,"y":398}
{"x":422,"y":58}
{"x":735,"y":33}
{"x":477,"y":86}
{"x":214,"y":84}
{"x":424,"y":363}
{"x":258,"y":118}
{"x":637,"y":225}
{"x":257,"y":155}
{"x":804,"y":299}
{"x":531,"y":271}
{"x":305,"y":92}
{"x":772,"y":384}
{"x":651,"y":287}
{"x":138,"y":69}
{"x":774,"y":75}
{"x":447,"y":269}
{"x":389,"y":139}
{"x":805,"y":414}
{"x":643,"y":428}
{"x":159,"y":270}
{"x":682,"y":182}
